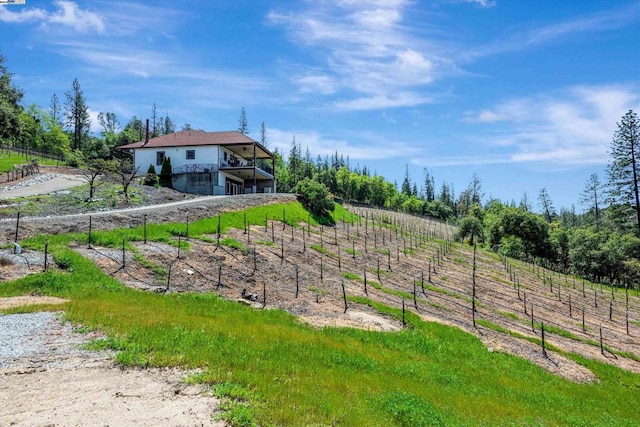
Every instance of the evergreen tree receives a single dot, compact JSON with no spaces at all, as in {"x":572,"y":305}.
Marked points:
{"x":55,"y":110}
{"x":263,"y":135}
{"x":168,"y":126}
{"x":623,"y":167}
{"x":544,"y":200}
{"x":475,"y":189}
{"x":10,"y":97}
{"x":165,"y":173}
{"x":243,"y":124}
{"x":429,"y":186}
{"x":525,"y":203}
{"x":294,"y":164}
{"x":591,"y":195}
{"x":77,"y":115}
{"x":155,"y":123}
{"x":406,"y":182}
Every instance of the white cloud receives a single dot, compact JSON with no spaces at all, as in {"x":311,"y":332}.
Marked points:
{"x":573,"y":127}
{"x":405,"y":99}
{"x":482,"y":3}
{"x":316,"y":83}
{"x":367,"y":52}
{"x":68,"y":14}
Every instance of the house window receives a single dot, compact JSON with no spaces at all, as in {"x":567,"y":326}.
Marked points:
{"x":159,"y":158}
{"x":225,"y":156}
{"x":191,"y":154}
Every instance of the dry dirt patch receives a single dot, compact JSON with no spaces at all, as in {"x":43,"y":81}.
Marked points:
{"x":102,"y":395}
{"x":21,"y":301}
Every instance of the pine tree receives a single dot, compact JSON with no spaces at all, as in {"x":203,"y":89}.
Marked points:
{"x":155,"y":123}
{"x":406,"y":182}
{"x":77,"y":115}
{"x":168,"y":126}
{"x":429,"y":186}
{"x":263,"y":135}
{"x":591,"y":194}
{"x":55,"y":110}
{"x":546,"y":205}
{"x":623,"y":167}
{"x":243,"y":124}
{"x":294,"y":164}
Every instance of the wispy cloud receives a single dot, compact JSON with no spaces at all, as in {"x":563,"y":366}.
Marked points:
{"x":66,"y":14}
{"x":367,"y":53}
{"x":377,"y":148}
{"x":573,"y":127}
{"x":524,"y":38}
{"x":482,"y":3}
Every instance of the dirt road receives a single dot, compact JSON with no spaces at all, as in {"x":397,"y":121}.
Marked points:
{"x":46,"y":378}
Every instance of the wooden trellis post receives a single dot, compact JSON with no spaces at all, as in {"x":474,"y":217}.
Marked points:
{"x":91,"y":230}
{"x":365,"y":281}
{"x":344,"y":296}
{"x":544,"y":350}
{"x":46,"y":255}
{"x":404,"y":323}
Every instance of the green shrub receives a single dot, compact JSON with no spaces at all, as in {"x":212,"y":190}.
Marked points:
{"x":152,"y":176}
{"x":315,"y":196}
{"x":165,"y":173}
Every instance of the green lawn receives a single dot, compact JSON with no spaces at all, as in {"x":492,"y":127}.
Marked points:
{"x":8,"y":159}
{"x":272,"y":370}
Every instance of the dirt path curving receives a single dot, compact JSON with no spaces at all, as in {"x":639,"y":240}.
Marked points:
{"x":48,"y":379}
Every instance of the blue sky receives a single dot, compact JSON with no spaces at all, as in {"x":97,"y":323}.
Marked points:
{"x":526,"y":94}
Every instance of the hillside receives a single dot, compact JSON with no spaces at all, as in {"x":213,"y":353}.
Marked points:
{"x":398,"y":254}
{"x":282,"y":258}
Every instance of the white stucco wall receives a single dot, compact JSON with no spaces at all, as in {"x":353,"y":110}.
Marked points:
{"x":204,"y":155}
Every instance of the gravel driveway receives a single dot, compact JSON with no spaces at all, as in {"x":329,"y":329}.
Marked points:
{"x":41,"y":184}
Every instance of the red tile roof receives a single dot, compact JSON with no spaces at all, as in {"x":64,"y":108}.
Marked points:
{"x":196,"y":137}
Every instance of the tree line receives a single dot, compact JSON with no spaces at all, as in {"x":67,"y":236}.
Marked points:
{"x":64,"y":127}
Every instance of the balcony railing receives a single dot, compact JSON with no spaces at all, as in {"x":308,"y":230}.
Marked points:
{"x":243,"y":163}
{"x":196,"y":168}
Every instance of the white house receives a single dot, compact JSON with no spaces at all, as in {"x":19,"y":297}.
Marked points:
{"x":208,"y":162}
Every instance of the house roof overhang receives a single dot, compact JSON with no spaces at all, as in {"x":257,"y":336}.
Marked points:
{"x":240,"y":144}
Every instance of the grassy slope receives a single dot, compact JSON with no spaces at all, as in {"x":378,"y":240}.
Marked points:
{"x":288,"y":373}
{"x":7,"y":161}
